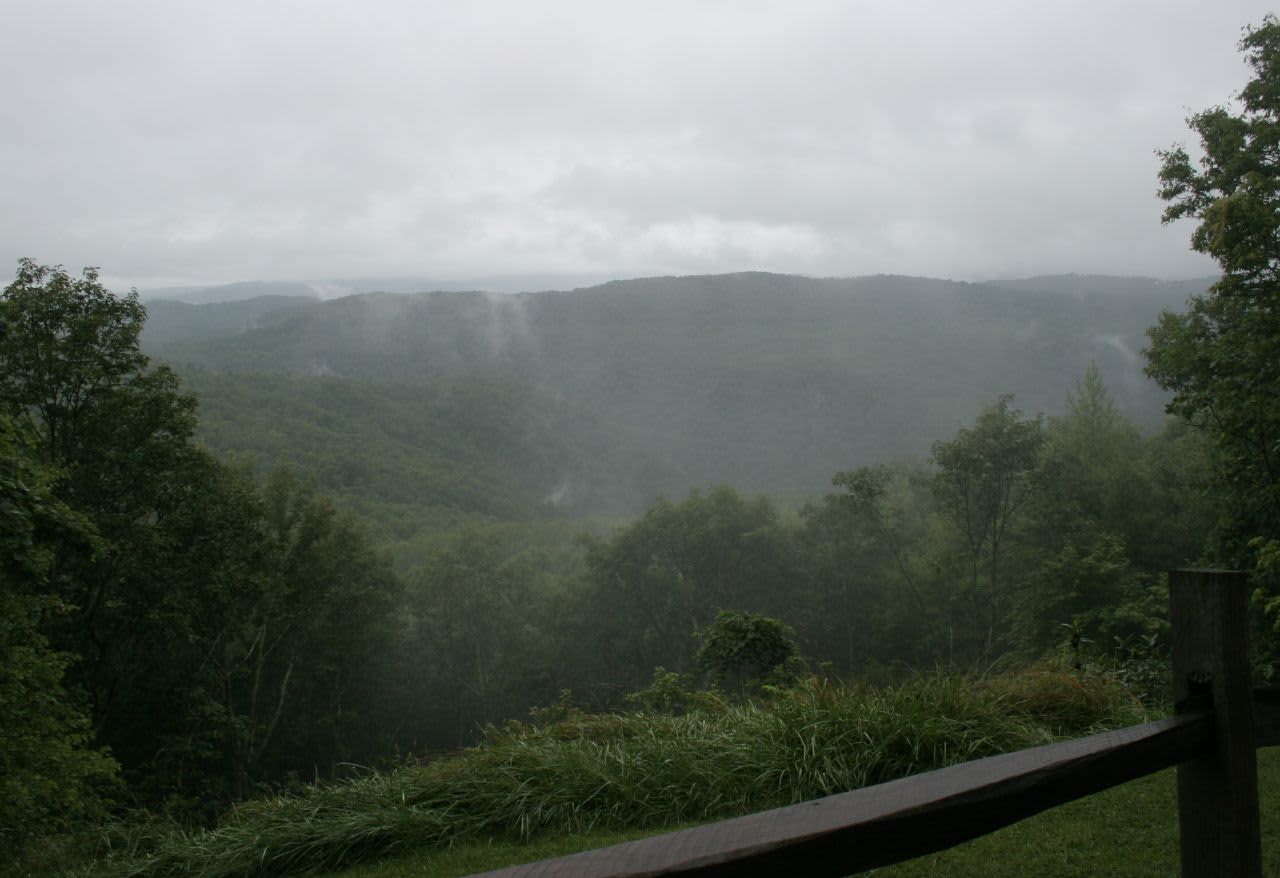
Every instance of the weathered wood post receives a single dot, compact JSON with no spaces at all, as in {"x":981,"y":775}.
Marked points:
{"x":1218,"y":793}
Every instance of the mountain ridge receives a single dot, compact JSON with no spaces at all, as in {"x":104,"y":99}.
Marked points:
{"x":768,"y":382}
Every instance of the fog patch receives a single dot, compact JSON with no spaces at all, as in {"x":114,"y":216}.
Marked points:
{"x":506,"y":322}
{"x":378,"y":316}
{"x":559,"y":495}
{"x":1117,"y":343}
{"x":329,"y":290}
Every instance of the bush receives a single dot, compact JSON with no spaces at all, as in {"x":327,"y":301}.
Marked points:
{"x":749,"y":649}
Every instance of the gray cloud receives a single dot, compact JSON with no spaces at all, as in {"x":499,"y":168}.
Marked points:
{"x":176,"y":142}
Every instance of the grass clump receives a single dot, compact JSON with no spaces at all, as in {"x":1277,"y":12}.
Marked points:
{"x":570,"y":771}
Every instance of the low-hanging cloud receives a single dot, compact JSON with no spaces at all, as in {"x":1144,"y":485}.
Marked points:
{"x":196,"y":143}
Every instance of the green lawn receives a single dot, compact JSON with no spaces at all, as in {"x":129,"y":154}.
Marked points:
{"x":1126,"y":832}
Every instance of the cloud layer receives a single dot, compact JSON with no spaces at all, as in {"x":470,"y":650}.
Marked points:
{"x":173,"y":142}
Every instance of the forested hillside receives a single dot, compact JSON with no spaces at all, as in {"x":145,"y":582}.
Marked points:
{"x":598,"y":400}
{"x":173,"y":321}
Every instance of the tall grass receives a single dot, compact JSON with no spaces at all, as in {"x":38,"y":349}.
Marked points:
{"x":616,"y":771}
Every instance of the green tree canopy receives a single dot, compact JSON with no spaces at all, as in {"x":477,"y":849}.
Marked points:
{"x":217,"y":629}
{"x":70,"y":364}
{"x":72,"y":374}
{"x":50,"y":775}
{"x":664,"y":576}
{"x":747,"y":649}
{"x":1221,"y":358}
{"x":985,"y":475}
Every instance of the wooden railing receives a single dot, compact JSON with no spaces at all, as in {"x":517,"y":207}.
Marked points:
{"x":1218,"y":723}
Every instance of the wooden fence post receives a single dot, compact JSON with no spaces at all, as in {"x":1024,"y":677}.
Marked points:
{"x":1217,"y":794}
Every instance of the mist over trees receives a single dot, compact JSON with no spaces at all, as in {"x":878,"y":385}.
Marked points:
{"x":211,"y":626}
{"x":419,"y":411}
{"x":185,"y":624}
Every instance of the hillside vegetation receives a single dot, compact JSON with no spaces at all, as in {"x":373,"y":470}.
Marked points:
{"x":255,"y":625}
{"x":571,"y":771}
{"x":596,"y":401}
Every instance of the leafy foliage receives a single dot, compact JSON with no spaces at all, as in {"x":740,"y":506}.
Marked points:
{"x":661,"y":578}
{"x":479,"y":649}
{"x":51,"y":777}
{"x":1221,"y":358}
{"x":207,"y":623}
{"x":749,"y":647}
{"x":985,"y":475}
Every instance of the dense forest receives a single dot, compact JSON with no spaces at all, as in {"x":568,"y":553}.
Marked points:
{"x":212,"y":625}
{"x":381,"y":522}
{"x":419,"y":410}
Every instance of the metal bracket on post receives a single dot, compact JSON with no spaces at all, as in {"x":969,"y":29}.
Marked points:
{"x":1217,"y":794}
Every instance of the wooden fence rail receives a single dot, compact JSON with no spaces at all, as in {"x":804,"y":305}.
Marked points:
{"x":1218,"y":723}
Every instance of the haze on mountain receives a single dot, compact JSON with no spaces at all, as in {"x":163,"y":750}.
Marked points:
{"x":420,"y":408}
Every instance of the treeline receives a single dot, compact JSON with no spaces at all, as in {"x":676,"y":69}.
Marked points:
{"x":597,"y":400}
{"x":414,"y":459}
{"x":163,"y":612}
{"x":184,"y":633}
{"x":1023,"y":537}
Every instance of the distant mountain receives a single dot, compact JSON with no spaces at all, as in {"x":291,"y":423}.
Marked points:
{"x":229,"y":292}
{"x":173,"y":321}
{"x":429,"y":456}
{"x":1101,"y":284}
{"x":335,"y":288}
{"x":767,"y":382}
{"x":505,"y":283}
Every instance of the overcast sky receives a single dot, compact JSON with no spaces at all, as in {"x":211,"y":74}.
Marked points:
{"x":174,"y":142}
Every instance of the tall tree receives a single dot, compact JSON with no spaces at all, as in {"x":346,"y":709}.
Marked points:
{"x":663,"y":577}
{"x":50,"y":774}
{"x":212,"y":626}
{"x":870,"y":593}
{"x":1221,"y":358}
{"x":72,"y":373}
{"x":1092,"y":471}
{"x":328,"y":615}
{"x":476,"y":643}
{"x":985,"y":475}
